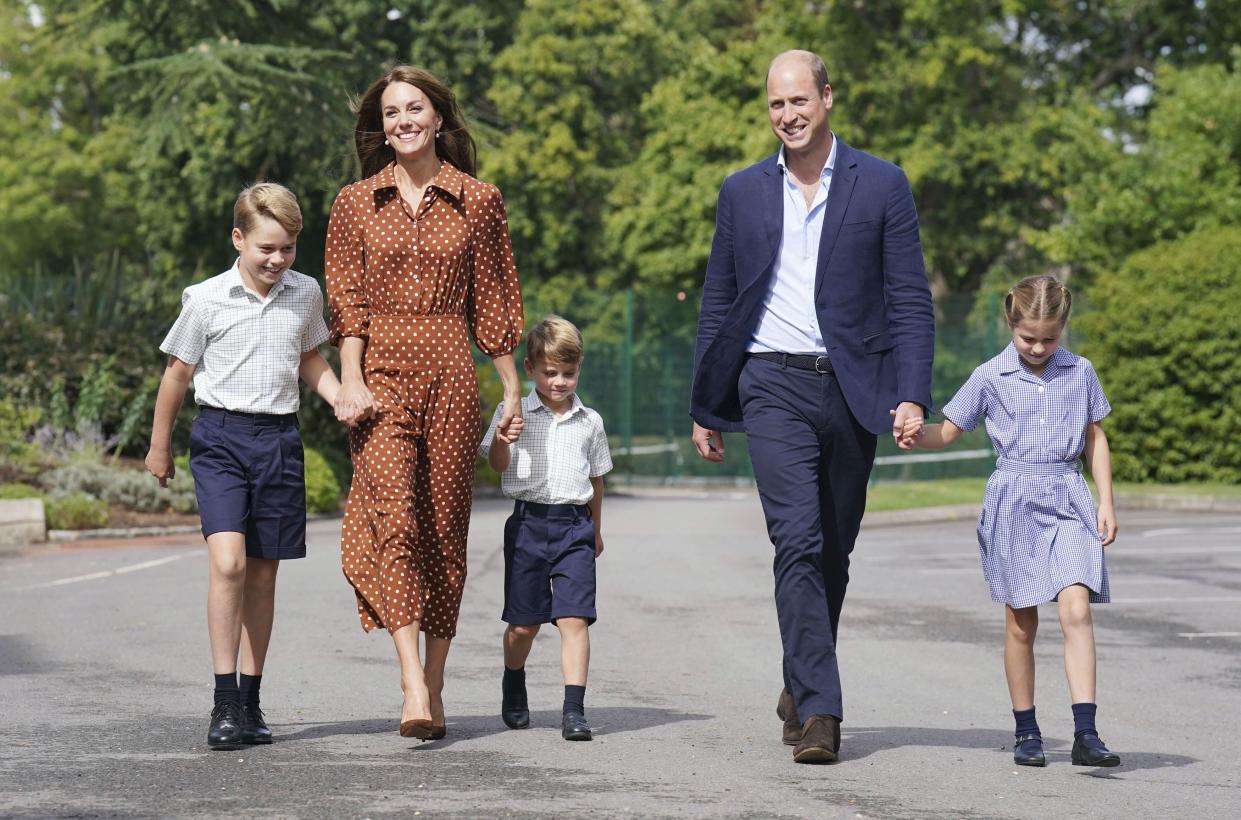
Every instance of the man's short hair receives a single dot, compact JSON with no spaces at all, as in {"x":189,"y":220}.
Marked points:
{"x":555,"y":339}
{"x":818,"y":69}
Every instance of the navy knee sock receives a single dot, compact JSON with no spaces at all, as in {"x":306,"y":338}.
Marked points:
{"x":1083,"y":719}
{"x":574,"y":700}
{"x":226,"y":688}
{"x":248,"y":689}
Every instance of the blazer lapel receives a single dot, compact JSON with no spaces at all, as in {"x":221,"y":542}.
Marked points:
{"x":844,"y":177}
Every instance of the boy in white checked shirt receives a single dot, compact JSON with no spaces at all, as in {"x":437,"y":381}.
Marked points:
{"x":555,"y":474}
{"x":244,"y":337}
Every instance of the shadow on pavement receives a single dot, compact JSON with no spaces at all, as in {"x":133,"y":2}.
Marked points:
{"x":862,"y":741}
{"x":605,"y":720}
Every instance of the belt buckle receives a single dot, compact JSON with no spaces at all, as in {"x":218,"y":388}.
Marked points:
{"x":818,"y":369}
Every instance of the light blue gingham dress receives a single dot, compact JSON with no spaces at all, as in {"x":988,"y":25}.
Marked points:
{"x":1038,"y":531}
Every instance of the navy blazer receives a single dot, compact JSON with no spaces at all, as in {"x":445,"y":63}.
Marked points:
{"x":871,"y":293}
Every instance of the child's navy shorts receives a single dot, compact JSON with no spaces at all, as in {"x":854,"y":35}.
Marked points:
{"x":549,"y":563}
{"x":249,"y":475}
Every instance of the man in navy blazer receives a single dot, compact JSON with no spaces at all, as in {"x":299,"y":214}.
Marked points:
{"x":815,"y":335}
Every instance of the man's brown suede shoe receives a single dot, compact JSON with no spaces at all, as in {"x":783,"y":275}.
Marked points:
{"x":786,"y":710}
{"x":820,"y":740}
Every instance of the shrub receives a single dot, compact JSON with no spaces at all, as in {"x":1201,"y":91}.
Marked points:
{"x":76,"y":511}
{"x":124,"y":487}
{"x":16,"y":426}
{"x":322,"y":489}
{"x":1165,"y":339}
{"x":17,"y":490}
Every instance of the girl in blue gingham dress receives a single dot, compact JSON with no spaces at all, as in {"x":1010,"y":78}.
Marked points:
{"x":1039,"y":534}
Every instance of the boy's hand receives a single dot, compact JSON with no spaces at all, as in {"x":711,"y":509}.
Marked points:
{"x":509,"y":427}
{"x":598,"y":545}
{"x":1107,"y":523}
{"x":159,"y":463}
{"x":354,"y":404}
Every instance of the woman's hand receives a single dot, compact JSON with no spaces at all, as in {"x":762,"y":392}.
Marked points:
{"x":354,"y":403}
{"x":510,"y":424}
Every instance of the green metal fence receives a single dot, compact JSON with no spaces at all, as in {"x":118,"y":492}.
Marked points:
{"x":637,"y":376}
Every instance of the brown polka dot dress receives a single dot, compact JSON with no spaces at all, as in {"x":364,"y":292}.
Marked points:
{"x":417,"y":285}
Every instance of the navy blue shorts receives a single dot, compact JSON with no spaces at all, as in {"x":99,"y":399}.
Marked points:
{"x":249,"y":475}
{"x":549,"y":563}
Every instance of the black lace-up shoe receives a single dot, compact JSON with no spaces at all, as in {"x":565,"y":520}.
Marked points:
{"x":1088,"y":750}
{"x":574,"y":726}
{"x":1028,"y":751}
{"x":253,"y":727}
{"x":225,"y":730}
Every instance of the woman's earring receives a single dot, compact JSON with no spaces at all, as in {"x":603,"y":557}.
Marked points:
{"x":437,"y":134}
{"x":385,"y":140}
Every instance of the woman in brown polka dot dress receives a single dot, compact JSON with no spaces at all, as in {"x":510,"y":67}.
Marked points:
{"x":418,"y":260}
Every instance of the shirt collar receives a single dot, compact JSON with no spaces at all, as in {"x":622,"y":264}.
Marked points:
{"x":532,"y":403}
{"x":828,"y":167}
{"x":1010,"y":360}
{"x":448,"y":179}
{"x":237,"y":285}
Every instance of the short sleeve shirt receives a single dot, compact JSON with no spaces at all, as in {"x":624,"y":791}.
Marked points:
{"x":246,"y":349}
{"x":1037,"y":419}
{"x":555,"y":458}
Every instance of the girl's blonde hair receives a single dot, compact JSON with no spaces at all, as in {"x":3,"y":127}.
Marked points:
{"x":555,"y":339}
{"x":267,"y":199}
{"x":1038,"y":299}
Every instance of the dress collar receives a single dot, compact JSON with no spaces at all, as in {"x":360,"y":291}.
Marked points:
{"x":448,"y":179}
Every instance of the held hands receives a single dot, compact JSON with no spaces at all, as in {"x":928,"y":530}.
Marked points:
{"x":508,"y":428}
{"x":907,"y":421}
{"x":159,"y":464}
{"x":354,"y":404}
{"x":1107,"y":523}
{"x":709,"y":443}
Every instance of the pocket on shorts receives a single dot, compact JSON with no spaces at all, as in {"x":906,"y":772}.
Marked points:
{"x":294,"y":454}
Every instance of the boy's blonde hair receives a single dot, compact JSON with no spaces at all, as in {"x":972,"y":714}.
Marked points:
{"x":267,"y":199}
{"x":1038,"y":299}
{"x":555,"y":339}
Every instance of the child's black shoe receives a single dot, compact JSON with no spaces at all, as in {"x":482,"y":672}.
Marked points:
{"x":253,"y":727}
{"x":514,"y":708}
{"x":574,"y":726}
{"x":1088,"y":750}
{"x":1028,"y":751}
{"x":225,"y":730}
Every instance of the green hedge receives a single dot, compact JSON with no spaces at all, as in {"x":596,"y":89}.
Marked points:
{"x":322,"y":488}
{"x":1165,"y":336}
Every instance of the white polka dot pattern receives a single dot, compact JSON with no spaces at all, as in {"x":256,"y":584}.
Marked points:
{"x":417,"y":285}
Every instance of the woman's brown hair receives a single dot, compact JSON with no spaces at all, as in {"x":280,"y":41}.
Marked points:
{"x":453,"y":142}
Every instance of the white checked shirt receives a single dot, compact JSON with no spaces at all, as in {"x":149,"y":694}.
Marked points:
{"x":789,"y":323}
{"x":556,"y":457}
{"x":247,"y":350}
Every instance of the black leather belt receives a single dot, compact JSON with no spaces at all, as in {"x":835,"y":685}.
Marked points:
{"x":802,"y":361}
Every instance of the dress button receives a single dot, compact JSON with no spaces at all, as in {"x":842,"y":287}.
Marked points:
{"x":1042,"y":421}
{"x":1040,"y":389}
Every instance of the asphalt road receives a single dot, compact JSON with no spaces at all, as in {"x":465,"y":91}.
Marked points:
{"x":105,"y":685}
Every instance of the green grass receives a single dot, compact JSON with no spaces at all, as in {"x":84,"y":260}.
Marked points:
{"x":903,"y":495}
{"x":906,"y":495}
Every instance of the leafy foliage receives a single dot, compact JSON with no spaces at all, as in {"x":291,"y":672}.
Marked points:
{"x":1167,"y":345}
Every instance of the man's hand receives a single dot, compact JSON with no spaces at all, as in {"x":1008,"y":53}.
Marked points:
{"x":710,"y":443}
{"x":907,"y":438}
{"x":904,"y":412}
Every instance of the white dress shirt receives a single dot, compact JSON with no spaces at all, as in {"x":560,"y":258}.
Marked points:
{"x":246,"y":349}
{"x":556,"y":456}
{"x":789,"y":323}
